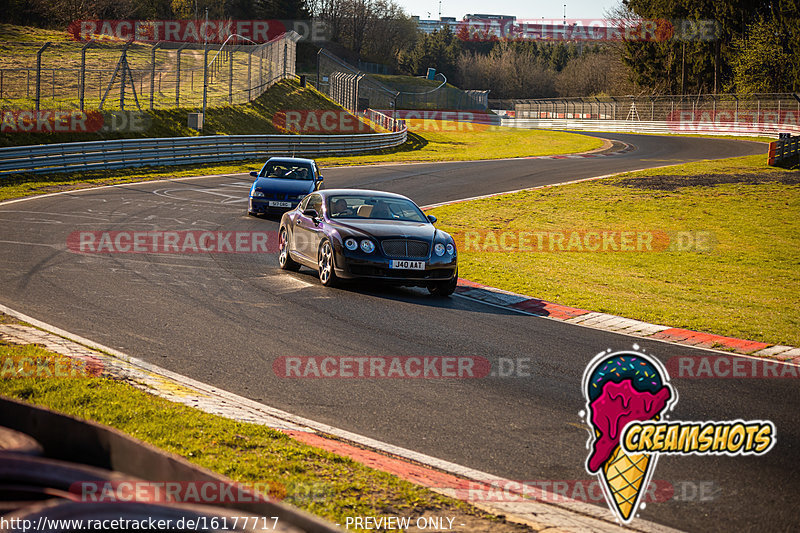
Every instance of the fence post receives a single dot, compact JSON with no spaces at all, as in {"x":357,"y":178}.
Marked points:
{"x":249,"y":74}
{"x":205,"y":82}
{"x":83,"y":72}
{"x":39,"y":73}
{"x":285,"y":52}
{"x":230,"y":78}
{"x":153,"y":73}
{"x":122,"y":83}
{"x":178,"y":76}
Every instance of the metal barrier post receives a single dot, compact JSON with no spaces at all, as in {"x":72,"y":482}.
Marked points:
{"x":230,"y":78}
{"x":153,"y":73}
{"x":39,"y":73}
{"x":205,"y":82}
{"x":122,"y":84}
{"x":83,"y":71}
{"x":178,"y":76}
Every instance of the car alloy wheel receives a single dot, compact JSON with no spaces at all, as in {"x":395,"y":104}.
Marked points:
{"x":284,"y":259}
{"x":326,"y":273}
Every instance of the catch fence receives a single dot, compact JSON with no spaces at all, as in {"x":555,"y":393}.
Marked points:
{"x":111,"y":75}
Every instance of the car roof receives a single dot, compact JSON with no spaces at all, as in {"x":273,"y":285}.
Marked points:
{"x":359,"y":192}
{"x":289,"y":160}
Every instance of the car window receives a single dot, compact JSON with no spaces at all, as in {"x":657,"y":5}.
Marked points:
{"x":287,"y":170}
{"x":304,"y":203}
{"x":314,"y":202}
{"x":374,"y":207}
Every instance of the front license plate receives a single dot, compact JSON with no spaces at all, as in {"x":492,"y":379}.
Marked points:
{"x":408,"y":265}
{"x":280,"y":204}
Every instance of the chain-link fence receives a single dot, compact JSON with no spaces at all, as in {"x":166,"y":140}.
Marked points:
{"x":349,"y":87}
{"x":101,"y":75}
{"x":372,"y":93}
{"x":756,"y":108}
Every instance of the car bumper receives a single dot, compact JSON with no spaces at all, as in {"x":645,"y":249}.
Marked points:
{"x":352,"y":266}
{"x":261,"y":206}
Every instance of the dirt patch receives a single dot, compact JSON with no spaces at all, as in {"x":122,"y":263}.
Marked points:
{"x":675,"y":182}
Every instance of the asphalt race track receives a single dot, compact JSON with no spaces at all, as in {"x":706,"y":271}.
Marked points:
{"x":224,"y":318}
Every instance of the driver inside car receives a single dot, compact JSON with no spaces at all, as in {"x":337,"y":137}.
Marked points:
{"x":381,"y":210}
{"x":339,"y":207}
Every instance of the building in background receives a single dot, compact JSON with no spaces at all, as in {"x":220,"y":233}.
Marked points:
{"x":487,"y":21}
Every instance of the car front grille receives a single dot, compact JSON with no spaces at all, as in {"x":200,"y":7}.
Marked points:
{"x":404,"y":248}
{"x":377,"y":272}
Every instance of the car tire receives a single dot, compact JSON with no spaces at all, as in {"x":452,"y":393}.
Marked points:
{"x":443,"y":289}
{"x":325,"y":264}
{"x":285,"y":260}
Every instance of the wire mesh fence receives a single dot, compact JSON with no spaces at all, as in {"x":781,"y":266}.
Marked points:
{"x":102,"y":75}
{"x":371,"y":93}
{"x":756,"y":108}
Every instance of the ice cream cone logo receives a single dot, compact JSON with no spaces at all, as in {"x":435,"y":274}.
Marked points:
{"x":620,"y":388}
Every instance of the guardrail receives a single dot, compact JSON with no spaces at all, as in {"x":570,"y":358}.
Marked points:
{"x":92,"y":155}
{"x":785,"y":152}
{"x":662,"y":127}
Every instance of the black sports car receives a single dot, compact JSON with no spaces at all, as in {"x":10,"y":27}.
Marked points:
{"x":349,"y":234}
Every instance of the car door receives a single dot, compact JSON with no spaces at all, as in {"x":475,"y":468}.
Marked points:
{"x":307,"y":231}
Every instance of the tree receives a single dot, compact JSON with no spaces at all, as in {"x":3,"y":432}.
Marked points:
{"x":373,"y":29}
{"x":760,"y":60}
{"x":439,"y":50}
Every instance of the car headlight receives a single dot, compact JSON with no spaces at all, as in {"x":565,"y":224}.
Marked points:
{"x":451,"y":249}
{"x":367,"y":246}
{"x":350,"y":244}
{"x":257,"y":194}
{"x":439,"y":249}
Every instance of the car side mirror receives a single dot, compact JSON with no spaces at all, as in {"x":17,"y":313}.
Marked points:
{"x":253,"y":174}
{"x":432,"y":218}
{"x":311,"y":212}
{"x":321,"y":177}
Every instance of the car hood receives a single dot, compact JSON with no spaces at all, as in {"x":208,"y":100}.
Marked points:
{"x":284,"y":186}
{"x":384,"y":229}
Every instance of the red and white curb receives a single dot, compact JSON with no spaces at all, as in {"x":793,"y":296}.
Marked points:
{"x":560,"y":512}
{"x":627,"y":326}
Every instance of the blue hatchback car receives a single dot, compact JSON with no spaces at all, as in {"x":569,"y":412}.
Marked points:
{"x":281,"y":183}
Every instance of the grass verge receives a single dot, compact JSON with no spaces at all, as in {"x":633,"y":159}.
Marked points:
{"x":746,"y":285}
{"x":254,"y":118}
{"x":438,"y":145}
{"x":312,"y":479}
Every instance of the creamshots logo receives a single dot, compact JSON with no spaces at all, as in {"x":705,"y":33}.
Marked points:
{"x":628,"y":399}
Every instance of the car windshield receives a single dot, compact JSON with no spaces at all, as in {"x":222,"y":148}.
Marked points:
{"x":287,"y":171}
{"x":374,"y":207}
